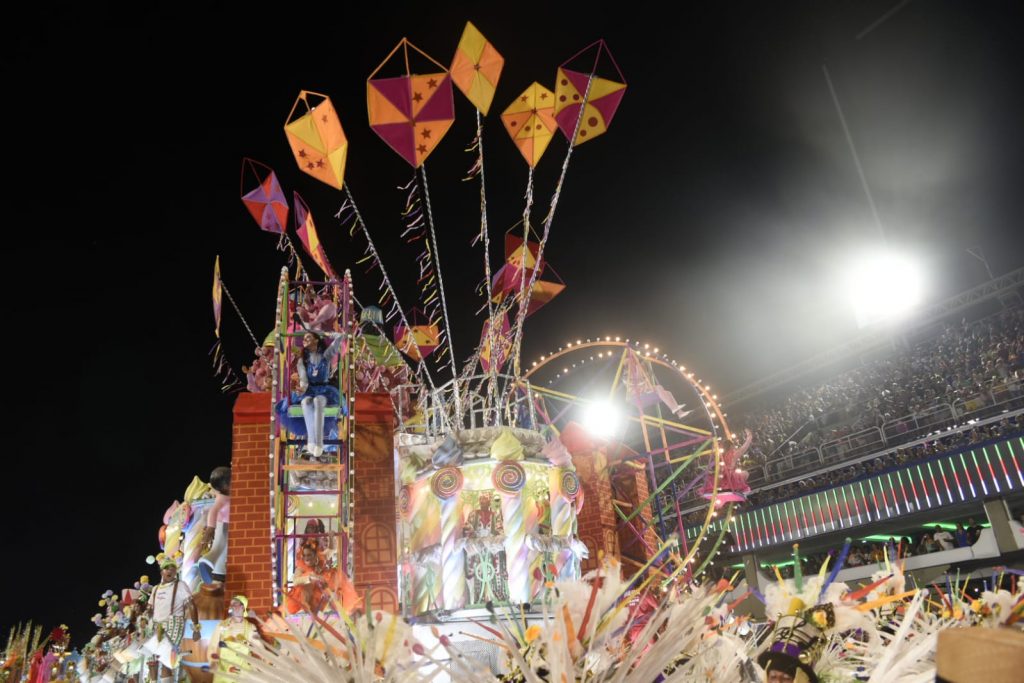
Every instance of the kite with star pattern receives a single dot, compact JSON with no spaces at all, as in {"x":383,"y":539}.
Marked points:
{"x":317,"y":138}
{"x":411,"y":112}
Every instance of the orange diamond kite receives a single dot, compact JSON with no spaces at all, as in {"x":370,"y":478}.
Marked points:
{"x":476,"y":68}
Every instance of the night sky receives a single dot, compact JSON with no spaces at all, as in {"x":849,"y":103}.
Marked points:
{"x":711,"y":220}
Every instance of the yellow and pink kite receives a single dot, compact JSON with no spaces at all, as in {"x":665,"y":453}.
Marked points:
{"x":411,"y":112}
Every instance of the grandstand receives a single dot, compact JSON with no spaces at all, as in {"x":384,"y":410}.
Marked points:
{"x":886,"y":437}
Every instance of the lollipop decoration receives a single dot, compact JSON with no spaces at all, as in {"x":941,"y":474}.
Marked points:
{"x":446,"y":482}
{"x":508,"y":478}
{"x":405,"y":501}
{"x":569,"y":484}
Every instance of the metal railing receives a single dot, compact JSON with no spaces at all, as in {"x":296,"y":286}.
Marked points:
{"x":466,"y":403}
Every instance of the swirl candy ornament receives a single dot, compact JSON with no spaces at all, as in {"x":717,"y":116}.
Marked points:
{"x":446,"y":482}
{"x":508,"y":477}
{"x":405,"y":501}
{"x":569,"y":484}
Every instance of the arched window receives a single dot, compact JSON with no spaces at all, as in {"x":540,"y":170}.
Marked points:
{"x":384,"y":600}
{"x":379,"y":545}
{"x":591,"y":561}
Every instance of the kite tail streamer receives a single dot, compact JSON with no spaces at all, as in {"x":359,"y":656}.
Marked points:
{"x":436,"y":257}
{"x":222,"y":370}
{"x":478,"y":169}
{"x":349,"y":208}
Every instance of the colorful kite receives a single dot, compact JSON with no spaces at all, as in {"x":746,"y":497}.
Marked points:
{"x":530,"y":121}
{"x":476,"y":68}
{"x":509,"y":278}
{"x":218,"y":296}
{"x":418,"y":341}
{"x":411,"y":113}
{"x":317,"y":139}
{"x":496,"y":355}
{"x":516,"y":255}
{"x":306,"y":230}
{"x":602,"y":100}
{"x":265,"y":198}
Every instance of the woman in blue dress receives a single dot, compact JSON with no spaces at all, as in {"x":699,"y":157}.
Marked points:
{"x":316,"y":391}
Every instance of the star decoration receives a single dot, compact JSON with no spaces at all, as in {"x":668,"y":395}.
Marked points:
{"x":422,"y":149}
{"x":432,"y":83}
{"x":425,"y":133}
{"x":302,"y":153}
{"x":417,"y":97}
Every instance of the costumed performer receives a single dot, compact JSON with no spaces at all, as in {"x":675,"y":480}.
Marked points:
{"x":212,"y":566}
{"x":315,"y":391}
{"x":314,"y":582}
{"x":232,"y":639}
{"x":168,"y":604}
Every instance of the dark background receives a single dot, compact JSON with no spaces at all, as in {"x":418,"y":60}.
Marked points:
{"x":711,"y":220}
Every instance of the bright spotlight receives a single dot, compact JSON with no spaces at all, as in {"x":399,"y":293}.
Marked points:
{"x":601,"y":419}
{"x":883,"y":286}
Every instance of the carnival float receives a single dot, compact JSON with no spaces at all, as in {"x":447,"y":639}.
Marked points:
{"x":523,"y":546}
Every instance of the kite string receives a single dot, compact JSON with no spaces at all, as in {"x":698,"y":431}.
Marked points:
{"x":525,"y":298}
{"x":351,"y":204}
{"x":483,"y":214}
{"x":440,"y":284}
{"x":239,"y":312}
{"x":492,"y":384}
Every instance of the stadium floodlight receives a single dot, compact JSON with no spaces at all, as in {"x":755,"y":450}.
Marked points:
{"x":601,"y":419}
{"x":883,"y":286}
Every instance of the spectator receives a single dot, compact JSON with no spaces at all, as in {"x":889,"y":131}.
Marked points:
{"x":927,"y":545}
{"x":973,"y":530}
{"x":961,"y":537}
{"x":943,"y":538}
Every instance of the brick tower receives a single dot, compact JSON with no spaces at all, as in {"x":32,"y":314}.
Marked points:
{"x":374,"y":546}
{"x":598,"y":525}
{"x":249,"y":540}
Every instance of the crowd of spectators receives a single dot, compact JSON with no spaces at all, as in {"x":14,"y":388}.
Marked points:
{"x":935,"y":539}
{"x":961,"y":367}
